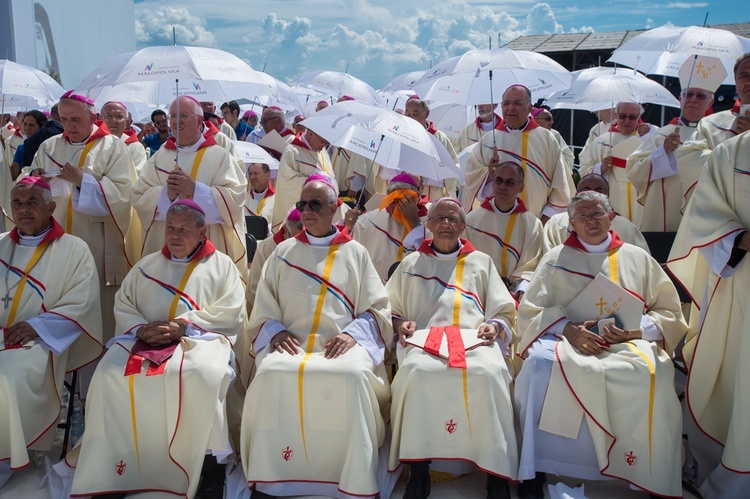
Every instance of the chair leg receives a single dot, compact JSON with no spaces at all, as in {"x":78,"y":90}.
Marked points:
{"x":71,"y":397}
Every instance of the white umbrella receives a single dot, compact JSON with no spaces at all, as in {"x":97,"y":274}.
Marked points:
{"x":599,"y":88}
{"x":451,"y":119}
{"x":23,"y":88}
{"x":158,"y":74}
{"x":402,"y":82}
{"x":663,"y":50}
{"x":253,"y":153}
{"x":386,"y":137}
{"x":481,"y":76}
{"x":336,"y":84}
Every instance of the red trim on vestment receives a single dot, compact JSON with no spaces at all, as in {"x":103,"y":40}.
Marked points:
{"x":207,"y":249}
{"x":574,"y":242}
{"x":465,"y":249}
{"x":520,"y":206}
{"x":54,"y":233}
{"x":171,"y":141}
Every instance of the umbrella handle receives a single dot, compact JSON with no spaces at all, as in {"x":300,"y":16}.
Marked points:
{"x":369,"y":171}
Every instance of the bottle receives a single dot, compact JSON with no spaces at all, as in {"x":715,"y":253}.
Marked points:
{"x":76,"y":422}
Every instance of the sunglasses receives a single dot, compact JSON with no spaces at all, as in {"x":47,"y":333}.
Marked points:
{"x":314,"y":204}
{"x":631,"y":117}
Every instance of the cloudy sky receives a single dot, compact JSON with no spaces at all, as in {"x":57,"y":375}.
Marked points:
{"x":379,"y":40}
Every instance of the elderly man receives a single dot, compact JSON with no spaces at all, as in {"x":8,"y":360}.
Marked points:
{"x":459,"y":410}
{"x":557,"y":230}
{"x":543,"y":116}
{"x":225,"y":128}
{"x":304,"y":156}
{"x":259,"y":201}
{"x":231,"y":113}
{"x":115,"y":116}
{"x":178,"y":313}
{"x":312,"y":422}
{"x":272,"y":118}
{"x":419,"y":110}
{"x":597,"y":157}
{"x":548,"y":185}
{"x":719,"y":127}
{"x":486,"y":120}
{"x":192,"y":166}
{"x":503,"y":228}
{"x":396,"y":229}
{"x":155,"y":140}
{"x":91,"y":177}
{"x":665,"y":184}
{"x":709,"y":257}
{"x":51,"y":322}
{"x":599,"y":402}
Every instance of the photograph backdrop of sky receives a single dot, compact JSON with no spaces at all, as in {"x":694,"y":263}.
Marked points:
{"x":379,"y":40}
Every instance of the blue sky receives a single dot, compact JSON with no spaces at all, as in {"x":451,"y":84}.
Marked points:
{"x":380,"y":40}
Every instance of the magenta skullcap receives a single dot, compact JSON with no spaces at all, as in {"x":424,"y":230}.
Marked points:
{"x":406,"y":178}
{"x":80,"y":98}
{"x":249,"y":113}
{"x":536,"y":111}
{"x":190,"y":203}
{"x":35,"y":181}
{"x":294,"y":215}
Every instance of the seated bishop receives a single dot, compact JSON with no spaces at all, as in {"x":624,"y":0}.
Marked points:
{"x":596,"y":400}
{"x":314,"y":415}
{"x":51,"y":322}
{"x":156,"y":417}
{"x":454,"y":414}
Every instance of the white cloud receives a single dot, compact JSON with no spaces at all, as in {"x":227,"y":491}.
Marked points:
{"x":154,"y":27}
{"x":541,"y":20}
{"x":686,"y":5}
{"x":649,"y":23}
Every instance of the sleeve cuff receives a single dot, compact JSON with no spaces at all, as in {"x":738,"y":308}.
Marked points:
{"x":649,"y":330}
{"x":270,"y":329}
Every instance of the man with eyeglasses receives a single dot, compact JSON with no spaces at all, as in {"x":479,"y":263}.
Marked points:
{"x":312,"y":423}
{"x":155,"y":140}
{"x":547,"y":186}
{"x":709,"y":257}
{"x":115,"y":116}
{"x":91,"y":176}
{"x":305,"y":155}
{"x":224,"y":127}
{"x":597,"y":158}
{"x":193,"y":166}
{"x":597,"y":401}
{"x":558,"y":228}
{"x":452,"y":414}
{"x":487,"y":119}
{"x":503,"y":228}
{"x":272,"y":118}
{"x":719,"y":127}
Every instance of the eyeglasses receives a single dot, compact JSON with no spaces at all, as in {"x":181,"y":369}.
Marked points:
{"x":599,"y":215}
{"x":631,"y":117}
{"x":515,"y":103}
{"x":314,"y":204}
{"x":115,"y":118}
{"x":507,"y":181}
{"x":160,"y":122}
{"x":695,"y":95}
{"x":183,"y":117}
{"x":549,"y":118}
{"x":263,"y":121}
{"x":451,"y":220}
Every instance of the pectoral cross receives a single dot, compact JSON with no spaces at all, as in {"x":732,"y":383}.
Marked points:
{"x":601,"y":305}
{"x":6,"y":300}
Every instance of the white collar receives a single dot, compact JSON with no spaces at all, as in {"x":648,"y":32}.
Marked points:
{"x":191,"y":148}
{"x":190,"y":256}
{"x":322,"y":241}
{"x":510,"y":130}
{"x":500,"y":212}
{"x":24,"y":240}
{"x":259,"y":195}
{"x":602,"y":247}
{"x":443,"y":256}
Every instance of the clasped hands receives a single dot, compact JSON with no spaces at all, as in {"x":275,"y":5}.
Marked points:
{"x":286,"y":342}
{"x":162,"y":333}
{"x":179,"y":182}
{"x":587,"y":342}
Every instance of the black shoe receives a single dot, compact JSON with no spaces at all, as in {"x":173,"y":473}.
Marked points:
{"x":497,"y":487}
{"x":116,"y":495}
{"x":257,"y":494}
{"x":212,"y":480}
{"x":419,"y":484}
{"x":532,"y":489}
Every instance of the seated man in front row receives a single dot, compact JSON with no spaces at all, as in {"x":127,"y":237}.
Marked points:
{"x":155,"y":415}
{"x":51,"y":321}
{"x":312,"y":422}
{"x":597,"y":406}
{"x":457,"y":411}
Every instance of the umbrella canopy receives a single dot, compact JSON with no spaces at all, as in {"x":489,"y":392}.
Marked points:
{"x":253,"y":153}
{"x":390,"y":139}
{"x":481,"y":76}
{"x":336,"y":84}
{"x":19,"y":80}
{"x":598,"y":88}
{"x":158,"y":74}
{"x":402,"y":82}
{"x":663,"y":50}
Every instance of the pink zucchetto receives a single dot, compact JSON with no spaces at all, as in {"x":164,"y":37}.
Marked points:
{"x":189,"y":202}
{"x":70,"y":94}
{"x":35,"y":181}
{"x":405,"y":178}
